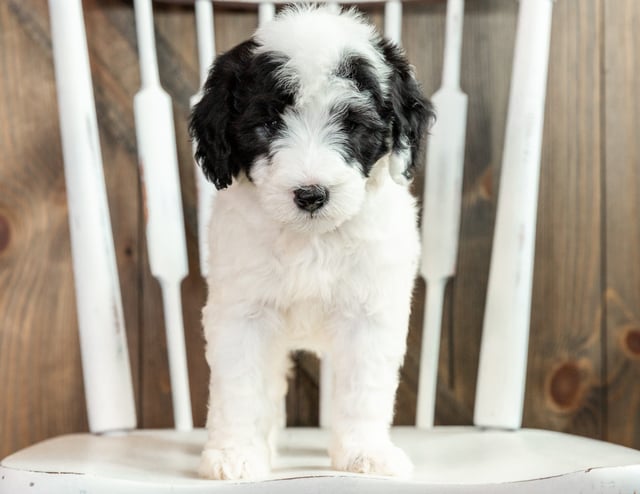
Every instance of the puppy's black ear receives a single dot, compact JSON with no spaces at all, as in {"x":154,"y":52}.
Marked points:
{"x":412,"y":113}
{"x":211,"y":116}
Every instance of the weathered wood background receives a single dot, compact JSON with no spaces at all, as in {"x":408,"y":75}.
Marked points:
{"x":584,"y":366}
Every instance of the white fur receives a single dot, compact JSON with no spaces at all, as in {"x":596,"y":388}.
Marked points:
{"x":337,"y":281}
{"x":316,"y":38}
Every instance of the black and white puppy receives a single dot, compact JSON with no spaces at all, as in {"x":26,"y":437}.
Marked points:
{"x":311,"y":131}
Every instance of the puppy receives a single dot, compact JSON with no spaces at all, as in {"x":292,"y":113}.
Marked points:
{"x":310,"y":130}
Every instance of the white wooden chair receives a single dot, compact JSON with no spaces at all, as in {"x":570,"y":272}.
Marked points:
{"x":493,"y":456}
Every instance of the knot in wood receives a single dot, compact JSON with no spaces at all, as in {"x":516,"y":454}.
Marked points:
{"x":565,"y":386}
{"x":632,"y":341}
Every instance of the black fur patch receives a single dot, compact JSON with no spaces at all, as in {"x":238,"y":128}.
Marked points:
{"x":245,"y":96}
{"x":411,"y":111}
{"x":366,"y":127}
{"x":361,"y":72}
{"x":366,"y":135}
{"x":240,"y":112}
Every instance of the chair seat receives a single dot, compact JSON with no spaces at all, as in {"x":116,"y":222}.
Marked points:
{"x":447,"y":459}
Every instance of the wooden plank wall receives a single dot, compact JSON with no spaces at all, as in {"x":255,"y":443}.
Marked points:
{"x":584,"y":361}
{"x":620,"y":132}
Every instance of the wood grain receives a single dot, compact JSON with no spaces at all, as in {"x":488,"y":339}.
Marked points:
{"x":621,"y":129}
{"x":303,"y":397}
{"x":564,"y":379}
{"x":39,"y":363}
{"x":42,"y":392}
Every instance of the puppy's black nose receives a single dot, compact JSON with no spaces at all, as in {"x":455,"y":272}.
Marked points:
{"x":311,"y":197}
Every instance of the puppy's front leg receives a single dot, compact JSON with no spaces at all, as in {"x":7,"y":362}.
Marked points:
{"x":242,"y":357}
{"x":366,"y":359}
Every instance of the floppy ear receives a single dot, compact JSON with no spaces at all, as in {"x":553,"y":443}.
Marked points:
{"x":412,"y":113}
{"x":211,"y":116}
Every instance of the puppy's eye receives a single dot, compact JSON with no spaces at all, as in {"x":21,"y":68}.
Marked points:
{"x":271,"y":126}
{"x":267,"y":129}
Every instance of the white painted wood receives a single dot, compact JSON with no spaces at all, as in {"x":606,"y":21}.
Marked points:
{"x":447,"y":459}
{"x":166,"y":242}
{"x":453,"y":44}
{"x":430,"y":350}
{"x":266,"y":12}
{"x":503,"y":355}
{"x":105,"y":358}
{"x":178,"y":370}
{"x":442,"y":204}
{"x":326,"y":391}
{"x":206,"y":191}
{"x":206,"y":37}
{"x":393,"y":21}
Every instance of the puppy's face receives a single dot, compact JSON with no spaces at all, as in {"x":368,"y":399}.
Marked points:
{"x":305,"y":110}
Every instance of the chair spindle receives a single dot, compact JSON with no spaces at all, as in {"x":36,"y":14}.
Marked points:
{"x":206,"y":191}
{"x":166,"y":243}
{"x":503,"y":354}
{"x":105,"y":358}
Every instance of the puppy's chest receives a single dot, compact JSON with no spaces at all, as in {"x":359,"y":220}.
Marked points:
{"x":311,"y":268}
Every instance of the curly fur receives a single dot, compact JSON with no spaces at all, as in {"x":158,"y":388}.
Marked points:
{"x":313,"y":99}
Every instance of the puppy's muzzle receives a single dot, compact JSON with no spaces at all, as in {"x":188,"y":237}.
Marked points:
{"x":311,"y":197}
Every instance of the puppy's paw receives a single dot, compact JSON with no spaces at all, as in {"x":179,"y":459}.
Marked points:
{"x":384,"y":459}
{"x":245,"y":463}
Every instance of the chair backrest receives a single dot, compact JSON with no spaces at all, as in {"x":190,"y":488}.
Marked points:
{"x":502,"y":370}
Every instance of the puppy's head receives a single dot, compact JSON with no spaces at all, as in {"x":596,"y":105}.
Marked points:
{"x":305,"y":110}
